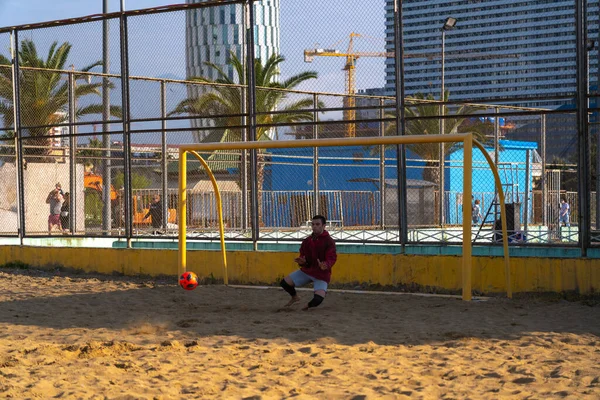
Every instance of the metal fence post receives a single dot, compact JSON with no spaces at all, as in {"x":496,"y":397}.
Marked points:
{"x":544,"y":181}
{"x":582,"y":125}
{"x":527,"y":176}
{"x":252,"y":114}
{"x":18,"y":134}
{"x":244,"y":162}
{"x":72,"y":165}
{"x":442,"y":166}
{"x":316,"y":157}
{"x":106,"y":170}
{"x":244,"y":111}
{"x":400,"y":122}
{"x":496,"y":160}
{"x":597,"y":123}
{"x":382,"y":164}
{"x":163,"y":163}
{"x":126,"y":133}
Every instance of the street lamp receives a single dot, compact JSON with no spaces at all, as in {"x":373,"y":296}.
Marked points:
{"x":449,"y":24}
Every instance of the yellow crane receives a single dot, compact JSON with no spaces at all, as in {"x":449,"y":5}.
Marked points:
{"x":350,"y":66}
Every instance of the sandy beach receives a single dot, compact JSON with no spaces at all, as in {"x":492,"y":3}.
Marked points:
{"x":93,"y":337}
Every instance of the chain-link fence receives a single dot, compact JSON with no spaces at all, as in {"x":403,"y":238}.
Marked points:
{"x":103,"y":104}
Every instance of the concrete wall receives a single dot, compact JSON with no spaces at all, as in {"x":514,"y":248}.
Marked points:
{"x":39,"y":179}
{"x":8,"y":199}
{"x":444,"y":272}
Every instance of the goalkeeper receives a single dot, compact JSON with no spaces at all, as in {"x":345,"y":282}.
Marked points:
{"x":317,"y":257}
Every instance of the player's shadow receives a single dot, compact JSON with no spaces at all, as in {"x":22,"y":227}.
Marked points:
{"x":253,"y":313}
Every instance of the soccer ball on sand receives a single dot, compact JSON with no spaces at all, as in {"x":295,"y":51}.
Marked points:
{"x":188,"y":280}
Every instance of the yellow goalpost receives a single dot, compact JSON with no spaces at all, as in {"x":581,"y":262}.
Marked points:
{"x":468,"y":143}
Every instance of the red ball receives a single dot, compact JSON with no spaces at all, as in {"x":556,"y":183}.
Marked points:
{"x":188,"y":280}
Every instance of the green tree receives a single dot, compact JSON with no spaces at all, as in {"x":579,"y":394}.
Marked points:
{"x":138,"y":181}
{"x":92,"y":202}
{"x":92,"y":151}
{"x":421,"y":106}
{"x":44,"y":95}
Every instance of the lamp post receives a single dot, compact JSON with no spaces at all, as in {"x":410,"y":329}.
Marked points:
{"x":448,"y":25}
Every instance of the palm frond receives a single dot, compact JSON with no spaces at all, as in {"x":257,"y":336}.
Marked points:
{"x":299,"y":78}
{"x":270,"y":70}
{"x":59,"y":58}
{"x":84,"y":90}
{"x":91,"y":66}
{"x":223,"y":77}
{"x":51,"y":52}
{"x":4,"y":61}
{"x":28,"y":55}
{"x":238,"y":67}
{"x":115,"y":111}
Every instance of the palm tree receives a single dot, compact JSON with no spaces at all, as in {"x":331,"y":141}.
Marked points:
{"x":223,"y":105}
{"x":44,"y":95}
{"x":421,"y":106}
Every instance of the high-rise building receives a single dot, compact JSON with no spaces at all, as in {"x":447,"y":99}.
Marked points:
{"x":369,"y":113}
{"x":541,"y":33}
{"x":215,"y":32}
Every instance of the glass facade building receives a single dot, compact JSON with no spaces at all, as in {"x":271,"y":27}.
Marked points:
{"x":532,"y":44}
{"x":214,"y":33}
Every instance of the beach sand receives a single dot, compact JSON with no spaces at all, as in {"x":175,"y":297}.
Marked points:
{"x":94,"y":337}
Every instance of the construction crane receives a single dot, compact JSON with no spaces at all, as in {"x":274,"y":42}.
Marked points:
{"x":350,"y":66}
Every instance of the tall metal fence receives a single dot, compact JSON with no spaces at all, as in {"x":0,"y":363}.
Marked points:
{"x":93,"y":111}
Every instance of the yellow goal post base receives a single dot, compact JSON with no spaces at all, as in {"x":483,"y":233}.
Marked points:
{"x":468,"y":143}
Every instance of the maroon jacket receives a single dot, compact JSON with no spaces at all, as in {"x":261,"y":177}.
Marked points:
{"x":320,"y":248}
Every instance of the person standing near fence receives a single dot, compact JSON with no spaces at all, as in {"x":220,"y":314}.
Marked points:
{"x":55,"y":200}
{"x":64,"y":213}
{"x":317,"y":257}
{"x":476,"y":213}
{"x":565,"y":211}
{"x":155,"y":211}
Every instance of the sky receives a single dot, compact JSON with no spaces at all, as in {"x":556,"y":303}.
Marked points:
{"x":304,"y":24}
{"x":19,"y":12}
{"x":157,"y":43}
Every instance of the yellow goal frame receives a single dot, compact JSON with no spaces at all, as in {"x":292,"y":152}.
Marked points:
{"x":468,"y":143}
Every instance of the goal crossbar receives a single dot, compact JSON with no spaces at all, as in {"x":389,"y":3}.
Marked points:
{"x":466,"y":138}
